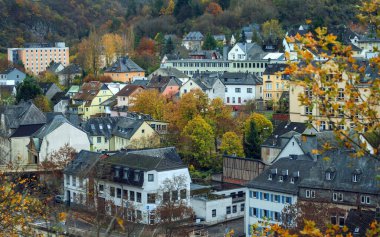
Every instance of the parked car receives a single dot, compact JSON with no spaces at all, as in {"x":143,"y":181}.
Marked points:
{"x":58,"y":199}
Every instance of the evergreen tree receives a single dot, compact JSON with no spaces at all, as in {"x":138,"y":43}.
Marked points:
{"x":252,"y":142}
{"x":28,"y":89}
{"x":209,"y":43}
{"x":169,"y":46}
{"x":243,"y":38}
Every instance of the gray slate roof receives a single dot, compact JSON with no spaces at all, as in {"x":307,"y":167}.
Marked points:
{"x":297,"y":168}
{"x":145,"y":160}
{"x":240,"y":78}
{"x":194,"y":36}
{"x":101,"y":126}
{"x":56,"y":122}
{"x":25,"y":113}
{"x":171,"y":72}
{"x":345,"y":166}
{"x":124,"y":64}
{"x":127,"y":127}
{"x":82,"y":163}
{"x":274,"y":140}
{"x":71,"y":69}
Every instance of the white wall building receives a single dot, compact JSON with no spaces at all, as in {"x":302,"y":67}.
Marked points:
{"x":211,"y":85}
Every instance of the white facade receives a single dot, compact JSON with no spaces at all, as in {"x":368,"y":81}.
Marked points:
{"x":217,"y":90}
{"x":62,"y":106}
{"x":262,"y":204}
{"x":240,"y":94}
{"x":238,"y":53}
{"x":59,"y":137}
{"x":75,"y":189}
{"x":123,"y":195}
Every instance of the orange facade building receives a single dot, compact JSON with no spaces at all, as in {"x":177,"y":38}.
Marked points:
{"x":37,"y":57}
{"x":124,"y":70}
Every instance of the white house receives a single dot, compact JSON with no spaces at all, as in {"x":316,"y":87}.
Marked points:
{"x":11,"y":76}
{"x":209,"y":84}
{"x":193,"y":40}
{"x":245,"y":51}
{"x":219,"y":206}
{"x":241,"y":87}
{"x":135,"y":182}
{"x":78,"y":178}
{"x":273,"y":190}
{"x":54,"y":135}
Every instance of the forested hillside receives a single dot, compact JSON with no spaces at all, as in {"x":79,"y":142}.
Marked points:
{"x":70,"y":20}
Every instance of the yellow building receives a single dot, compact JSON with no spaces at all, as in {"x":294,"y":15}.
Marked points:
{"x":327,"y":120}
{"x":87,"y":102}
{"x":274,"y":83}
{"x":37,"y":57}
{"x":124,"y":70}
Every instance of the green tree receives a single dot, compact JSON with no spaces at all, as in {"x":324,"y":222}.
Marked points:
{"x":209,"y":43}
{"x":243,"y":38}
{"x":252,"y":142}
{"x":264,"y":127}
{"x":272,"y":30}
{"x":169,"y":46}
{"x":231,"y":144}
{"x":28,"y":89}
{"x":43,"y":103}
{"x":200,"y":140}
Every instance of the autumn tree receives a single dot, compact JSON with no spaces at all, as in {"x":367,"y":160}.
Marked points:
{"x":272,"y":30}
{"x":174,"y":213}
{"x":214,"y":8}
{"x":43,"y":103}
{"x":112,"y":47}
{"x":149,"y":102}
{"x":199,"y":135}
{"x":231,"y":144}
{"x":28,"y":89}
{"x":50,"y":77}
{"x":89,"y":53}
{"x":169,"y":9}
{"x":18,"y":207}
{"x":209,"y":42}
{"x":263,"y":126}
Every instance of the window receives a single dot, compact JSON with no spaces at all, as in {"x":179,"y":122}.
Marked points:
{"x":249,"y":90}
{"x":67,"y":180}
{"x":233,"y":100}
{"x":270,"y":177}
{"x":234,"y":209}
{"x":308,"y":110}
{"x":151,"y":198}
{"x":132,"y":195}
{"x":117,"y":172}
{"x":276,"y":198}
{"x":74,"y":181}
{"x":136,"y":176}
{"x":183,"y":194}
{"x":266,"y":196}
{"x":118,"y":192}
{"x":138,"y":197}
{"x":166,"y":196}
{"x":237,"y":90}
{"x":125,"y":194}
{"x":138,"y":215}
{"x":126,"y":173}
{"x":281,"y":178}
{"x":174,"y":195}
{"x":142,"y":131}
{"x":242,"y":207}
{"x":99,"y":139}
{"x":341,"y":221}
{"x":265,"y":213}
{"x":228,"y":210}
{"x":338,"y":197}
{"x":365,"y":199}
{"x":340,"y":94}
{"x":150,"y":177}
{"x":333,"y":220}
{"x":288,"y":200}
{"x":226,"y":89}
{"x":112,"y":191}
{"x":292,"y":180}
{"x":355,"y":178}
{"x":276,"y":216}
{"x":322,"y":126}
{"x":254,"y":194}
{"x":328,"y":176}
{"x":214,"y":213}
{"x":101,"y":188}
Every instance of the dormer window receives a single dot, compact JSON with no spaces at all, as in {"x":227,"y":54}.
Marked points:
{"x":292,"y":180}
{"x":281,"y":178}
{"x":270,"y":177}
{"x":136,"y":176}
{"x":117,"y":172}
{"x":126,"y":173}
{"x":330,"y":173}
{"x":355,"y":178}
{"x":328,"y":176}
{"x":356,"y":175}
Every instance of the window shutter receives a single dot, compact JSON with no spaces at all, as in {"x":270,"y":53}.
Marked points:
{"x":282,"y":199}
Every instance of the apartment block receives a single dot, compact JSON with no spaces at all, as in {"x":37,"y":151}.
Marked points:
{"x":36,"y":57}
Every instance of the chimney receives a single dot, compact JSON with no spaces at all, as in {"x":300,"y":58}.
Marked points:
{"x":225,"y":52}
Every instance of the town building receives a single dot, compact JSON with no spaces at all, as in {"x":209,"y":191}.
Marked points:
{"x":274,"y":82}
{"x":245,"y":51}
{"x":209,"y":83}
{"x":193,"y":40}
{"x":124,"y":70}
{"x":36,"y":57}
{"x":11,"y":77}
{"x":69,"y":73}
{"x":135,"y":182}
{"x":125,"y":96}
{"x":49,"y":89}
{"x":169,"y":72}
{"x":168,"y":86}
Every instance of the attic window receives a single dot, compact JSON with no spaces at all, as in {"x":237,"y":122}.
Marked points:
{"x":92,"y":127}
{"x":109,"y":126}
{"x":330,"y":173}
{"x":117,"y":172}
{"x":270,"y":177}
{"x":292,"y":180}
{"x":136,"y":176}
{"x":281,"y":178}
{"x":126,"y":172}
